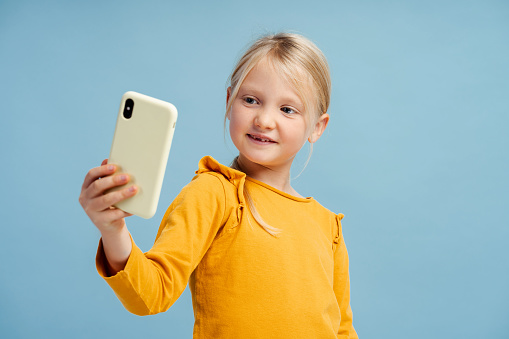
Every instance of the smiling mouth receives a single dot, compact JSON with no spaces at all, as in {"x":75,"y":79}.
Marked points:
{"x":260,"y":138}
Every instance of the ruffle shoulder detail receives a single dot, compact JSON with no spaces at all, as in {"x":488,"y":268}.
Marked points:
{"x":236,"y":178}
{"x":338,"y":230}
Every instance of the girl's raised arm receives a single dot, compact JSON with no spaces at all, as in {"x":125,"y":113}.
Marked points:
{"x":109,"y":220}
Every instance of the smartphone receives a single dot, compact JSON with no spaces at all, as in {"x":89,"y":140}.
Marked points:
{"x":140,"y":148}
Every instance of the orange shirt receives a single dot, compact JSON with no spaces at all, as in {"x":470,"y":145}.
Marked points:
{"x":245,"y":283}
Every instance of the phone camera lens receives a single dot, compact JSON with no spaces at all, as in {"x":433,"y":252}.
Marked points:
{"x":128,"y":108}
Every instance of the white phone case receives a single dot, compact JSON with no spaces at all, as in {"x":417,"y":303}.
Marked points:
{"x":141,"y":145}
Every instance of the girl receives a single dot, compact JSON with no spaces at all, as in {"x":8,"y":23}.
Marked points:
{"x":261,"y":260}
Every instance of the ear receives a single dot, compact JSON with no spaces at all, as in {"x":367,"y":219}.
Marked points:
{"x":228,"y":95}
{"x":319,"y":127}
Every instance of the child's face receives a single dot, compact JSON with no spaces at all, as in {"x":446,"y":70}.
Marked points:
{"x":268,"y":124}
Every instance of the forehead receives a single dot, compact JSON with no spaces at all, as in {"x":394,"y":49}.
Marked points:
{"x":266,"y":83}
{"x":291,"y":76}
{"x":295,"y":74}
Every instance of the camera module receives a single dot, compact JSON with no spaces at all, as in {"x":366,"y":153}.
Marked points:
{"x":128,"y":108}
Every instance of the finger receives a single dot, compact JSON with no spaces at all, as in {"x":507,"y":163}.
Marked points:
{"x":96,"y":173}
{"x":113,"y":215}
{"x":103,"y":202}
{"x":101,"y":185}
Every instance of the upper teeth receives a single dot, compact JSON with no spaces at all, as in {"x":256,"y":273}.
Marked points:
{"x":261,"y":139}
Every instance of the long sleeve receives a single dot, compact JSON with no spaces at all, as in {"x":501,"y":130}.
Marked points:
{"x":342,"y":284}
{"x":244,"y":282}
{"x":150,"y":283}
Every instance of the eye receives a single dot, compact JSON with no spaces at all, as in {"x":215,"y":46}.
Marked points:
{"x":288,"y":110}
{"x":250,"y":101}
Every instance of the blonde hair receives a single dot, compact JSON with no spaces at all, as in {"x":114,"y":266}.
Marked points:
{"x":299,"y":61}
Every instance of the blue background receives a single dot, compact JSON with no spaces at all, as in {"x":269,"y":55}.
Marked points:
{"x":416,"y":154}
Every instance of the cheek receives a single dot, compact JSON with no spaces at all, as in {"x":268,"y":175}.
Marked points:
{"x":297,"y":134}
{"x":236,"y":125}
{"x":232,"y":128}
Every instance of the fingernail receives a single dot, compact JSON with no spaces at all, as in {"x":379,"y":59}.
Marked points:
{"x":132,"y":189}
{"x":123,"y":178}
{"x":111,"y":167}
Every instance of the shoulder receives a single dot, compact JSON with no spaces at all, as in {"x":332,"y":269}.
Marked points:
{"x":213,"y":190}
{"x":333,"y":220}
{"x":327,"y":212}
{"x":217,"y":179}
{"x":209,"y":165}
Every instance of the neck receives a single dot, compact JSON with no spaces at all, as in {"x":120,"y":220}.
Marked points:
{"x":275,"y":176}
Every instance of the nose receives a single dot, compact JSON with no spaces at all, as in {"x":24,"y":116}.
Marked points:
{"x":265,"y":119}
